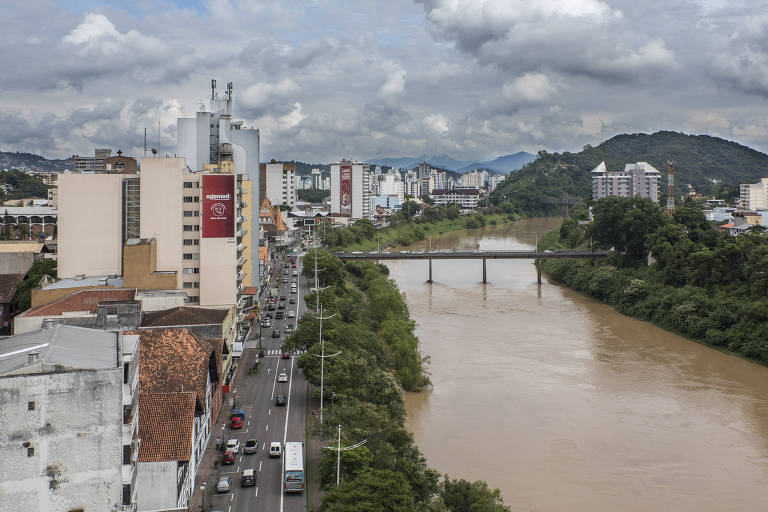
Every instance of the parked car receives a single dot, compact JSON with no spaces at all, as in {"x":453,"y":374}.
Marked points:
{"x":283,"y":377}
{"x":228,"y":458}
{"x":286,"y":355}
{"x":233,"y":445}
{"x":275,"y":449}
{"x":224,"y":484}
{"x":276,"y":333}
{"x":280,"y":400}
{"x":251,"y":446}
{"x":248,"y":479}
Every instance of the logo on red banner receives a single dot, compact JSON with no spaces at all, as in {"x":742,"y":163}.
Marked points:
{"x":346,"y":185}
{"x":218,"y":206}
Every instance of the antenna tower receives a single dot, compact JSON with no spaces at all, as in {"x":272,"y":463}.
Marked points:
{"x":145,"y":141}
{"x":670,"y":187}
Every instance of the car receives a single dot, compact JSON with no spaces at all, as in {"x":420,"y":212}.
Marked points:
{"x":286,"y":355}
{"x":276,"y":333}
{"x":547,"y":251}
{"x":285,"y":279}
{"x":233,"y":445}
{"x":357,"y":252}
{"x":291,"y":301}
{"x":251,"y":446}
{"x":281,"y":305}
{"x":268,"y":315}
{"x":248,"y":479}
{"x":291,"y":314}
{"x":294,"y":266}
{"x":272,"y":306}
{"x":280,"y":400}
{"x":373,"y":252}
{"x":288,"y":328}
{"x":279,"y":315}
{"x":477,"y":251}
{"x":295,"y":273}
{"x":386,"y":252}
{"x":283,"y":298}
{"x":294,"y":290}
{"x":237,"y":423}
{"x":228,"y":457}
{"x":404,"y":252}
{"x":266,"y":323}
{"x":283,"y":377}
{"x":224,"y":484}
{"x":275,"y":449}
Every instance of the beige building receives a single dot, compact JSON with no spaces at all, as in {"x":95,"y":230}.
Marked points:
{"x":754,"y":196}
{"x":278,"y":183}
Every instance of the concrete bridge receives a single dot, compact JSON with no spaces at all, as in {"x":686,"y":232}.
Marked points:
{"x":537,"y":256}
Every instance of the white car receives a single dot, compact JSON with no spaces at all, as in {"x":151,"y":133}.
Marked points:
{"x":291,"y":314}
{"x":404,"y":252}
{"x":477,"y":251}
{"x":233,"y":445}
{"x":283,"y":377}
{"x":357,"y":252}
{"x":224,"y":484}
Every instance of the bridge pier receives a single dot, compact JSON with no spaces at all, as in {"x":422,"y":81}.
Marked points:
{"x":430,"y":270}
{"x":538,"y":270}
{"x":484,"y":279}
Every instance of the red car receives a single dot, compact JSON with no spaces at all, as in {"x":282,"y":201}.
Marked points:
{"x":229,"y":458}
{"x":286,"y":355}
{"x":237,"y":422}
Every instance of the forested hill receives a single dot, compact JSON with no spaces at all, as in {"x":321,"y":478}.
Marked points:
{"x":699,"y":159}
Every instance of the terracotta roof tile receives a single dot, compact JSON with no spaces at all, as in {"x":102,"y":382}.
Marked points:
{"x":184,"y":315}
{"x":251,"y":290}
{"x":8,"y":283}
{"x":166,"y":421}
{"x":82,"y":300}
{"x":176,"y":360}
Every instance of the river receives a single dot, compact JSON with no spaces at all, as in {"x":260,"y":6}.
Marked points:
{"x":564,"y":404}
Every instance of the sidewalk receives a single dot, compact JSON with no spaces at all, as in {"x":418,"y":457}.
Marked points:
{"x":208,"y":471}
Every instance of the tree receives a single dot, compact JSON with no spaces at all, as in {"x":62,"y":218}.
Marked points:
{"x":465,"y":496}
{"x":371,"y":491}
{"x":353,"y":462}
{"x":313,"y":195}
{"x":625,"y":224}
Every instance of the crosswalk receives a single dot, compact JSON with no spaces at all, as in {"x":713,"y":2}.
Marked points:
{"x":280,"y":352}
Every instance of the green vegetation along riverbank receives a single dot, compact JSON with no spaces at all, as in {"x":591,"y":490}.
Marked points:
{"x":378,"y":357}
{"x":701,"y":283}
{"x":413,"y":224}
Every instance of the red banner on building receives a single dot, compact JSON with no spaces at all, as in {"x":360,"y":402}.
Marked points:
{"x":218,"y":209}
{"x":346,"y":186}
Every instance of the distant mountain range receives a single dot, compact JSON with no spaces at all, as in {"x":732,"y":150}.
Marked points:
{"x":503,"y":164}
{"x":28,"y":162}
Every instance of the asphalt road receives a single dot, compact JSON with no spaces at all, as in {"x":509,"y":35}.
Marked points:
{"x":266,"y":422}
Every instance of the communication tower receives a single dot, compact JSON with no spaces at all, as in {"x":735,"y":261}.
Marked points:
{"x":670,"y":187}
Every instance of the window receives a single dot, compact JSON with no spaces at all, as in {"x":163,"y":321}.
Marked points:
{"x":112,"y":310}
{"x":194,"y":298}
{"x":126,"y":372}
{"x":30,"y":406}
{"x":31,"y":451}
{"x":191,"y":213}
{"x":126,"y":454}
{"x":188,"y":227}
{"x":188,"y":184}
{"x":191,"y":270}
{"x":188,"y":284}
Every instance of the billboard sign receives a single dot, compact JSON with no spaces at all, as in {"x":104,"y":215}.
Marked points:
{"x":346,"y":187}
{"x":218,"y":208}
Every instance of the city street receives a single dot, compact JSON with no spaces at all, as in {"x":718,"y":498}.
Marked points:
{"x":255,"y":395}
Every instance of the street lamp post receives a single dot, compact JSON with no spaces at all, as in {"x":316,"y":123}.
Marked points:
{"x":202,"y":492}
{"x":338,"y":449}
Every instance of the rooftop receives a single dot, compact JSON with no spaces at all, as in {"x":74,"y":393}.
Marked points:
{"x":75,"y":282}
{"x":165,"y":426}
{"x":81,"y":301}
{"x":184,"y":315}
{"x":21,"y":246}
{"x":60,"y":347}
{"x":28,"y":210}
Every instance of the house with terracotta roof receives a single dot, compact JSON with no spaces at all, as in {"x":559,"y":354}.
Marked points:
{"x":180,"y":398}
{"x":114,"y":309}
{"x":208,"y":323}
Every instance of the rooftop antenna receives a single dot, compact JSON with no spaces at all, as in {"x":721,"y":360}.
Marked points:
{"x":145,"y":141}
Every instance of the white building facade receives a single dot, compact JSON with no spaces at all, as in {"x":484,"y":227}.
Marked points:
{"x":467,"y":198}
{"x":754,"y":196}
{"x":281,"y":184}
{"x":351,"y":190}
{"x":638,"y":179}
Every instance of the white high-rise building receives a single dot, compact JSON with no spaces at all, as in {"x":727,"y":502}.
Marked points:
{"x":351,"y":189}
{"x":280,"y":183}
{"x":638,"y":179}
{"x":754,"y":196}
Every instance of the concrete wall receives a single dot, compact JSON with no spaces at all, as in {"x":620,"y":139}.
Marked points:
{"x":162,"y":182}
{"x":15,"y":262}
{"x":335,"y":188}
{"x":75,"y":430}
{"x":218,"y":271}
{"x":140,"y":268}
{"x":156,"y":485}
{"x":90,"y":224}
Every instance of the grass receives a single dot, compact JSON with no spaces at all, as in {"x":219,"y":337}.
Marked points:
{"x":389,"y":235}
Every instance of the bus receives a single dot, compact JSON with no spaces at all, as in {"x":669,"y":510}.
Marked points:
{"x":293,"y":460}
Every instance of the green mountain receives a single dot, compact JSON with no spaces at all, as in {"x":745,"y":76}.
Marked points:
{"x":711,"y":165}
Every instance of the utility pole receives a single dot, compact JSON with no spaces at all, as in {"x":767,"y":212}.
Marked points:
{"x":322,"y":357}
{"x":338,"y":449}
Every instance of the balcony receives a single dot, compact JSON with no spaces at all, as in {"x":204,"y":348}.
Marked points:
{"x":241,"y":275}
{"x":241,"y":261}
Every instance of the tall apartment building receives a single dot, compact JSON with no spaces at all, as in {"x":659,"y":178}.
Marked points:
{"x":351,"y":189}
{"x":69,"y":403}
{"x":754,"y":196}
{"x":317,"y":178}
{"x":280,"y":180}
{"x":474,"y":179}
{"x":638,"y":179}
{"x":90,"y":164}
{"x":424,"y":170}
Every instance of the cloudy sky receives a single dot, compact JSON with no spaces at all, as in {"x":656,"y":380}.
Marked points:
{"x":325,"y":79}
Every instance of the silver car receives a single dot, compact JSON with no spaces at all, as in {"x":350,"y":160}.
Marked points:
{"x":224,"y":484}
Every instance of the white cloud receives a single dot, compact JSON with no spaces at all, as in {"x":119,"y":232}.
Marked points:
{"x":97,"y":35}
{"x":438,"y":123}
{"x":530,"y":88}
{"x":395,"y":79}
{"x":265,"y":97}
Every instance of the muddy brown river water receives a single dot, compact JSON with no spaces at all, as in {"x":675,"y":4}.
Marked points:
{"x":566,"y":405}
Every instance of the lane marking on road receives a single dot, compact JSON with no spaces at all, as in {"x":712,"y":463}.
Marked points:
{"x":259,"y":465}
{"x":257,"y":493}
{"x":267,"y":429}
{"x":274,"y":382}
{"x":269,"y":413}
